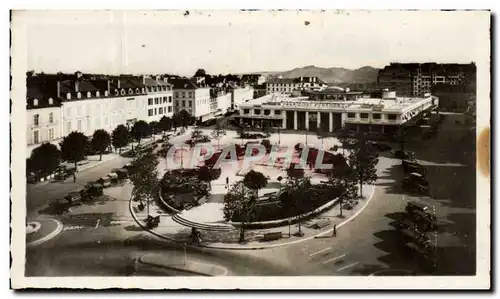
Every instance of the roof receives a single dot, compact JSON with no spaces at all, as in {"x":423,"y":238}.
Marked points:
{"x":39,"y":90}
{"x":183,"y":83}
{"x":282,"y":81}
{"x":154,"y":82}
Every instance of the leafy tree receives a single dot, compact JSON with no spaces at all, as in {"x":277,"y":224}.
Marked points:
{"x":154,"y":128}
{"x":242,"y":130}
{"x":73,"y":147}
{"x":297,"y":190}
{"x":140,"y":130}
{"x":255,"y":180}
{"x":207,"y":174}
{"x":120,"y":137}
{"x":342,"y":182}
{"x":45,"y":159}
{"x":267,"y":144}
{"x":200,"y":73}
{"x":239,"y":204}
{"x":346,"y":139}
{"x":196,"y":134}
{"x":293,"y":172}
{"x":266,"y":129}
{"x":218,"y":132}
{"x":165,"y":124}
{"x":184,"y":118}
{"x":100,"y":141}
{"x":363,"y":160}
{"x":145,"y":178}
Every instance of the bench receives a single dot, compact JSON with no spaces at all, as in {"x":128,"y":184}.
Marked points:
{"x":272,"y":236}
{"x":322,"y":223}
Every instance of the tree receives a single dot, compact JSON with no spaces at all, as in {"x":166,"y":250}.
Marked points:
{"x":208,"y":174}
{"x":239,"y":204}
{"x":165,"y":124}
{"x":196,"y":134}
{"x":45,"y":159}
{"x":345,"y":139}
{"x":218,"y":132}
{"x":293,"y":172}
{"x":267,"y":144}
{"x":184,"y":118}
{"x":297,"y":189}
{"x":363,"y":160}
{"x":154,"y":127}
{"x":266,"y":129}
{"x":255,"y":180}
{"x":73,"y":147}
{"x":140,"y":130}
{"x":200,"y":73}
{"x":341,"y":182}
{"x":242,"y":130}
{"x":120,"y":137}
{"x":144,"y":177}
{"x":100,"y":142}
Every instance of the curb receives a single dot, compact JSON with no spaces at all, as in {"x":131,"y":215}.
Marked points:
{"x":254,"y":247}
{"x":139,"y":261}
{"x":47,"y":237}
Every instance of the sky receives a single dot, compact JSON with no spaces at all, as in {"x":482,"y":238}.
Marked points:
{"x":152,"y":42}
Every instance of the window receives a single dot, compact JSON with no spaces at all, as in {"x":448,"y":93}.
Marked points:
{"x":169,"y":108}
{"x":51,"y":133}
{"x":246,"y":111}
{"x":79,"y":95}
{"x":51,"y":101}
{"x":106,"y":93}
{"x":351,"y":115}
{"x":51,"y":117}
{"x":277,"y":112}
{"x":130,"y":91}
{"x":150,"y":112}
{"x":164,"y":100}
{"x":376,"y":116}
{"x":68,"y":96}
{"x":190,"y":94}
{"x":190,"y":103}
{"x":79,"y":111}
{"x":150,"y":101}
{"x":183,"y":94}
{"x":36,"y":137}
{"x":89,"y":94}
{"x":161,"y":110}
{"x":97,"y":94}
{"x":68,"y":127}
{"x":183,"y":103}
{"x":156,"y":111}
{"x":170,"y":99}
{"x":267,"y":112}
{"x":36,"y":119}
{"x":79,"y":125}
{"x":391,"y":116}
{"x":256,"y":111}
{"x":122,"y":92}
{"x":363,"y":115}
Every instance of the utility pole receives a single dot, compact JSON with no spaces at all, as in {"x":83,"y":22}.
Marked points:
{"x":185,"y":254}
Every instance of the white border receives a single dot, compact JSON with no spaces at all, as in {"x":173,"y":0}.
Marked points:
{"x":19,"y":207}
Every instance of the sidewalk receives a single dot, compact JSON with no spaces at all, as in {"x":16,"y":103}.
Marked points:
{"x":172,"y":231}
{"x":176,"y":265}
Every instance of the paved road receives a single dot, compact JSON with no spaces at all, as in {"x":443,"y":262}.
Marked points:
{"x":363,"y":246}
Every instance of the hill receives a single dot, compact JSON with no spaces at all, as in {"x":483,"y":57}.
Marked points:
{"x":366,"y":74}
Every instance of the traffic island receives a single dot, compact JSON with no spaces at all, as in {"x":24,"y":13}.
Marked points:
{"x":176,"y":266}
{"x":41,"y":230}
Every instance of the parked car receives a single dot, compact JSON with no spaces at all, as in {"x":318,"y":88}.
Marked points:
{"x":113,"y":178}
{"x":416,"y":183}
{"x":74,"y":198}
{"x":105,"y":181}
{"x":413,"y":167}
{"x":122,"y":173}
{"x":91,"y":190}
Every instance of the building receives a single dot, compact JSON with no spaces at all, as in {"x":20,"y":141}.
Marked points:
{"x":43,"y":116}
{"x":160,"y":98}
{"x":290,"y":85}
{"x":415,"y":79}
{"x":379,"y":115}
{"x":192,"y":98}
{"x":253,"y":79}
{"x":241,"y":95}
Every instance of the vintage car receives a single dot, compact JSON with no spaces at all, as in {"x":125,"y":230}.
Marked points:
{"x":105,"y":181}
{"x":113,"y":178}
{"x":415,"y":182}
{"x":413,"y":166}
{"x":74,"y":198}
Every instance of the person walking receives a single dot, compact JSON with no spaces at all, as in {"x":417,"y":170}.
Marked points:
{"x":335,"y":230}
{"x":227,"y":182}
{"x":74,"y":178}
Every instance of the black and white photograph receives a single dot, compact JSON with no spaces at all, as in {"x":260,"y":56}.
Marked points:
{"x":200,"y":149}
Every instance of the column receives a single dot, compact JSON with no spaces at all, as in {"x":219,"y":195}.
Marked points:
{"x":319,"y":119}
{"x":295,"y":120}
{"x":343,"y":119}
{"x":307,"y":120}
{"x":284,"y":120}
{"x":330,"y":122}
{"x":383,"y":129}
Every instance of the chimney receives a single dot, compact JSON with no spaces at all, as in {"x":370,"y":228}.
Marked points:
{"x":108,"y":86}
{"x":77,"y":86}
{"x":118,"y":83}
{"x":58,"y":91}
{"x":144,"y":80}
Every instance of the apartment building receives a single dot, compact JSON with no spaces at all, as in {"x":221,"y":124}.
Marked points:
{"x":290,"y":85}
{"x":191,"y":97}
{"x":160,"y":98}
{"x":414,"y":79}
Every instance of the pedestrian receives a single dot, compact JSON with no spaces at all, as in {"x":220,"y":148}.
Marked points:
{"x":74,"y":177}
{"x":335,"y":230}
{"x":227,"y":182}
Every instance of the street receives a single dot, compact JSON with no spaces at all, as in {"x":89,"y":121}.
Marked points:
{"x":111,"y":241}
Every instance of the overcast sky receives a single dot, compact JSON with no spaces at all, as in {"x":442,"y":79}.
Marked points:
{"x":237,"y":42}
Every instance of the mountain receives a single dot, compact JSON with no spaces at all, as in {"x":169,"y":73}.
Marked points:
{"x":366,"y":74}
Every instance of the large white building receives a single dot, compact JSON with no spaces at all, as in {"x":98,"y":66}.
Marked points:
{"x":160,"y":98}
{"x":290,"y":85}
{"x":380,"y":115}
